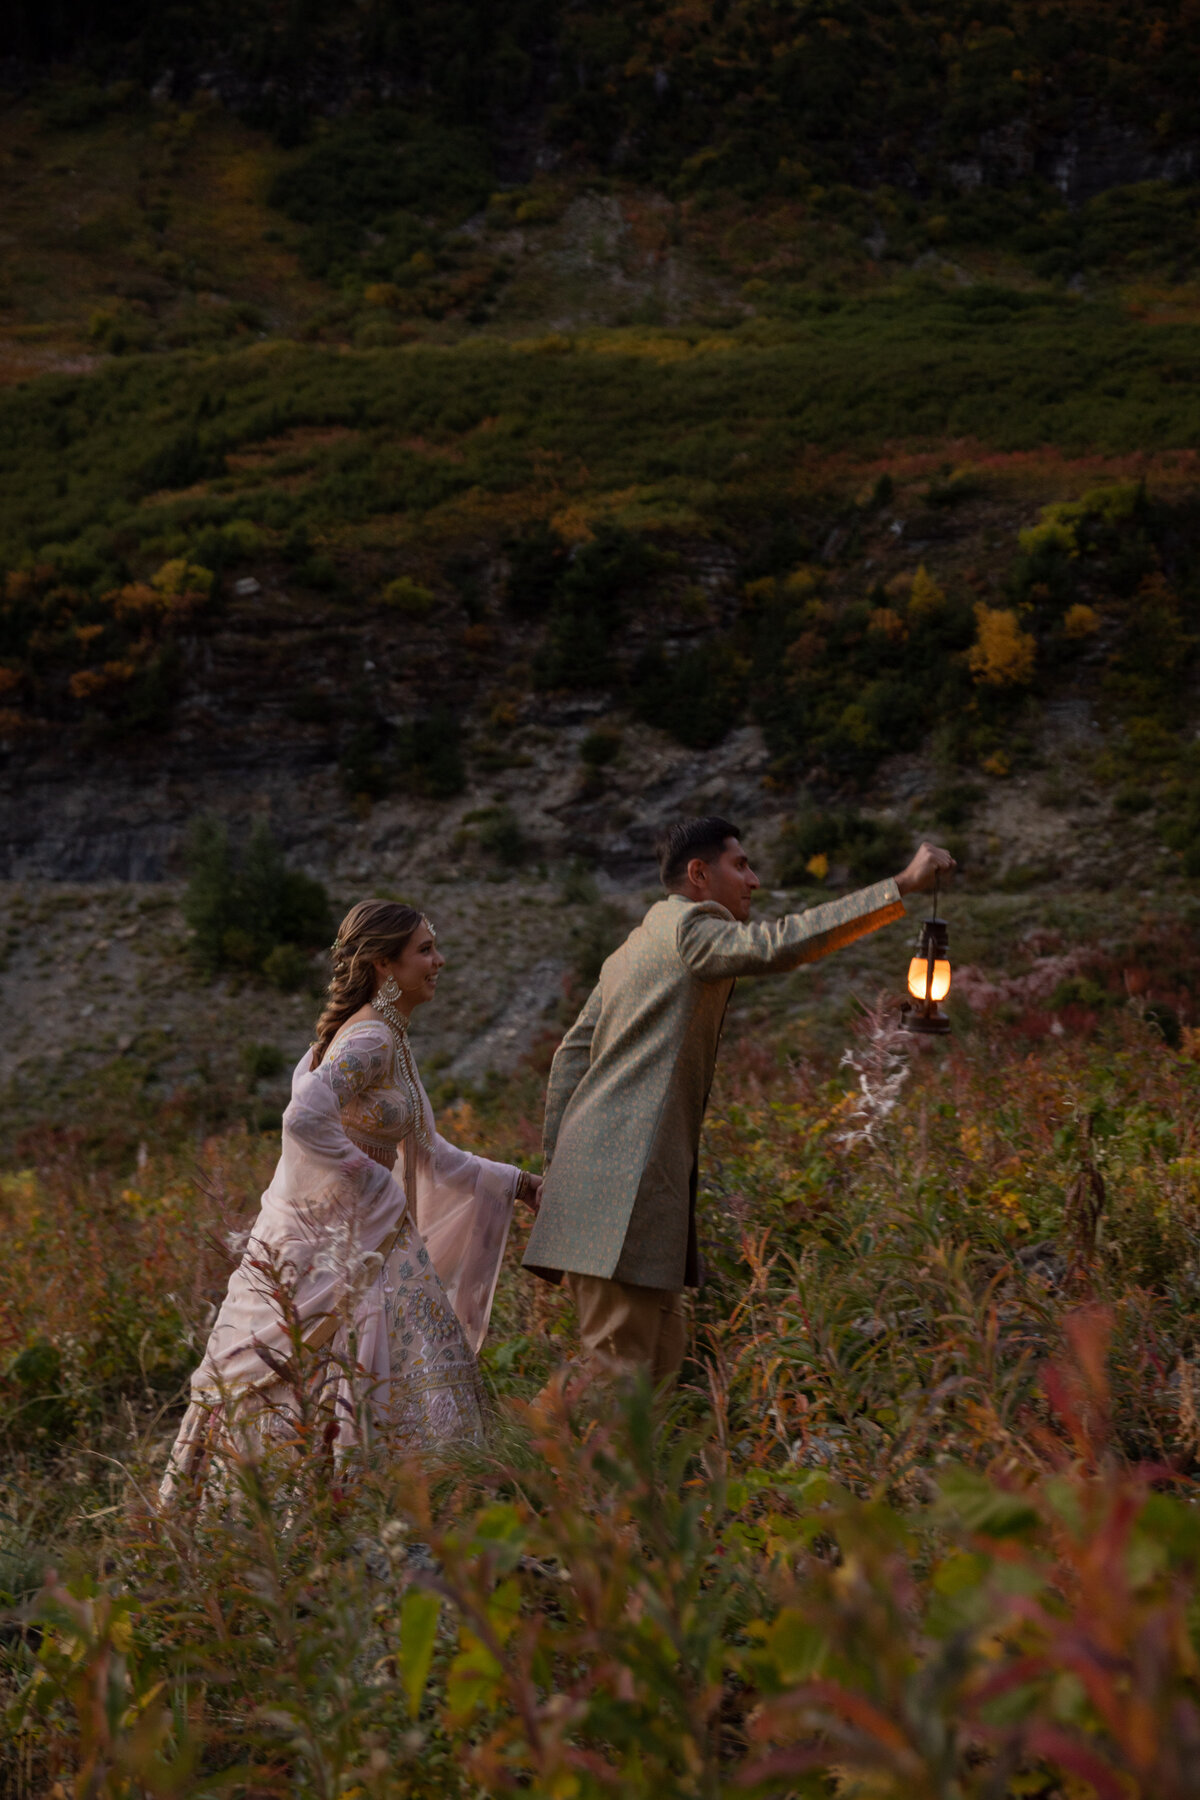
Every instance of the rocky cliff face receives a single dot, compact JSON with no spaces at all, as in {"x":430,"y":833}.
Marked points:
{"x":280,"y":699}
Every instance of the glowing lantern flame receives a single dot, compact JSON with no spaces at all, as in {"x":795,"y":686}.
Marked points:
{"x":918,"y":976}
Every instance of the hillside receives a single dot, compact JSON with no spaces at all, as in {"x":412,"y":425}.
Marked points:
{"x":480,"y":474}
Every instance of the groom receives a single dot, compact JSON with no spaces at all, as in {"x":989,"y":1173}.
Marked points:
{"x":630,"y":1081}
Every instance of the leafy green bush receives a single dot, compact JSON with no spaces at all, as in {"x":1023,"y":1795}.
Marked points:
{"x":262,"y":1062}
{"x":249,"y":909}
{"x":1179,"y":825}
{"x":75,"y":104}
{"x":366,"y":765}
{"x":870,"y":849}
{"x":287,"y":967}
{"x":601,"y":581}
{"x":537,"y":561}
{"x":501,"y":836}
{"x":183,"y":460}
{"x":407,"y":597}
{"x":423,"y":754}
{"x":840,"y":684}
{"x":599,"y":749}
{"x":954,"y":801}
{"x":597,"y":933}
{"x":698,"y":697}
{"x":35,"y":1409}
{"x":365,"y":190}
{"x":429,"y":755}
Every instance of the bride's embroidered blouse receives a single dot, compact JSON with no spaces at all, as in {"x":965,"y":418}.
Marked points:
{"x":378,"y":1109}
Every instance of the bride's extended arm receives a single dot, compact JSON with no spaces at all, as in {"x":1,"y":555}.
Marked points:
{"x":321,"y":1165}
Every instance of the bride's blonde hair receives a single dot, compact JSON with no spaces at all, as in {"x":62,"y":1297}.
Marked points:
{"x":372,"y":932}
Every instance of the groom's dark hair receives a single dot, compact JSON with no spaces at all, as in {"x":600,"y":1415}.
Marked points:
{"x":705,"y":838}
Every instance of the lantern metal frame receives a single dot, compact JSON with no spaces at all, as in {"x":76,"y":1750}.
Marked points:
{"x":933,"y":941}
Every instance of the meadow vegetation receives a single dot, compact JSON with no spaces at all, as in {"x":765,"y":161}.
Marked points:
{"x":918,"y":1522}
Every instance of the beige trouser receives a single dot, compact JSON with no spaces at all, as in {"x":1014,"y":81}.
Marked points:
{"x":623,"y":1327}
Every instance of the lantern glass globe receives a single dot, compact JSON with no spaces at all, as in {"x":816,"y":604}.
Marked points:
{"x":918,"y":976}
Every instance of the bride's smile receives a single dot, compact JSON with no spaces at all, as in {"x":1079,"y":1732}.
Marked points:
{"x":416,"y":969}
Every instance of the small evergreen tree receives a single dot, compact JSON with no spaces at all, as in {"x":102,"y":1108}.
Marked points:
{"x":244,"y":910}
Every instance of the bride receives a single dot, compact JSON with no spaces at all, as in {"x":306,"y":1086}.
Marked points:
{"x":382,"y":1240}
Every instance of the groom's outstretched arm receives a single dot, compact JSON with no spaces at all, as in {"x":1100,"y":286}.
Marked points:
{"x":571,"y":1062}
{"x":717,"y":948}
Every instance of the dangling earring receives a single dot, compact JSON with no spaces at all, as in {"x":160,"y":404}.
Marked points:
{"x":389,"y":991}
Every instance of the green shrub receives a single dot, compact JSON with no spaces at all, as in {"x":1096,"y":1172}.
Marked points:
{"x":698,"y":697}
{"x":243,"y":908}
{"x":408,"y":597}
{"x":287,"y":967}
{"x":604,"y":578}
{"x":1129,"y":798}
{"x":184,"y":459}
{"x":429,"y":755}
{"x":75,"y":104}
{"x":365,"y":191}
{"x":841,"y":683}
{"x":870,"y":849}
{"x":594,"y":938}
{"x":1079,"y":990}
{"x":953,"y":487}
{"x":423,"y":754}
{"x":537,"y":561}
{"x":501,"y":836}
{"x":35,"y":1409}
{"x":366,"y":765}
{"x":262,"y":1062}
{"x":953,"y":803}
{"x":148,"y":702}
{"x":599,"y":749}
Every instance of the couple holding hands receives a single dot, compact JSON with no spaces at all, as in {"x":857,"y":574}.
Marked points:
{"x":380,"y":1243}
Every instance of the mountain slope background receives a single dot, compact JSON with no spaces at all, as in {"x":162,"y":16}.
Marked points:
{"x":464,"y":437}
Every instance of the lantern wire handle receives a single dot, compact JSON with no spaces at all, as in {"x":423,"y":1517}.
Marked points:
{"x":937,"y":878}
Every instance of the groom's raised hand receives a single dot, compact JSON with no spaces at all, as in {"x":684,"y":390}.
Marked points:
{"x":927,"y":867}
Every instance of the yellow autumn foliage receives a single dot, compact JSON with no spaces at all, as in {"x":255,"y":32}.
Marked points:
{"x":1002,"y":655}
{"x":1081,"y":621}
{"x":802,"y":583}
{"x":889,"y":623}
{"x":925,"y":597}
{"x":179,"y":577}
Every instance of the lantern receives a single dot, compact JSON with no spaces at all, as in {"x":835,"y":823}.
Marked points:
{"x":928,"y":978}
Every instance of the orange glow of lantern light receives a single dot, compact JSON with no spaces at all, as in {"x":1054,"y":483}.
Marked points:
{"x":918,"y":974}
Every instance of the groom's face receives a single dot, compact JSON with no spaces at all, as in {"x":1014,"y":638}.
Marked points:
{"x":731,"y":880}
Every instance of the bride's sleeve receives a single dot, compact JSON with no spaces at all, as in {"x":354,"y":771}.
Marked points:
{"x":464,"y":1209}
{"x":320,"y":1163}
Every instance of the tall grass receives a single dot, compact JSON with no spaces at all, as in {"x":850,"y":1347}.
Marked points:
{"x":920,"y":1517}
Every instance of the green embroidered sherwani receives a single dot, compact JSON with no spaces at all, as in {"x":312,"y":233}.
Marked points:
{"x":630,"y":1081}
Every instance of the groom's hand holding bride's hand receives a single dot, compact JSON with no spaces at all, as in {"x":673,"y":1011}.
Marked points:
{"x":927,"y":866}
{"x":529,"y":1189}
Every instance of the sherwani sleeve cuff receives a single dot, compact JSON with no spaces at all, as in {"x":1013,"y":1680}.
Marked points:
{"x":715,"y":947}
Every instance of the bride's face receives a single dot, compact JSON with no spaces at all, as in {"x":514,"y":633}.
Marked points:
{"x":417,"y":967}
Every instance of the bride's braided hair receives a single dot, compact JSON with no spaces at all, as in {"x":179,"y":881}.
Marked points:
{"x":373,"y":931}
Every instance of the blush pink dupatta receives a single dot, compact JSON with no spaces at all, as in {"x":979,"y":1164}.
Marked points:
{"x":329,"y":1220}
